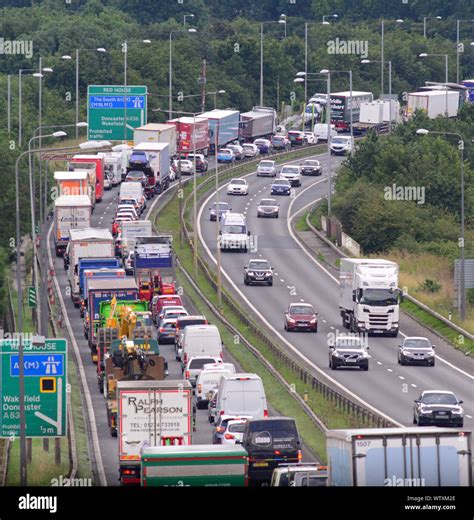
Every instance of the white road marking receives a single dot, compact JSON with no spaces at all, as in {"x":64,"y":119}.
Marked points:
{"x":401,"y":377}
{"x":468,"y":416}
{"x":413,"y":385}
{"x":379,"y":363}
{"x":301,"y":300}
{"x":389,"y":370}
{"x":324,"y":321}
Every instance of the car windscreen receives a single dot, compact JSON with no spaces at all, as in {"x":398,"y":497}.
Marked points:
{"x":182,"y":324}
{"x":196,"y":364}
{"x":301,"y":309}
{"x":237,"y":181}
{"x":281,"y":183}
{"x":267,"y":164}
{"x":417,"y":343}
{"x":278,"y":138}
{"x":290,"y":169}
{"x":268,"y":202}
{"x":311,"y":163}
{"x":439,"y":399}
{"x":349,"y":343}
{"x":236,"y":428}
{"x":337,"y":140}
{"x":168,"y":325}
{"x":259,"y":265}
{"x":235,"y":230}
{"x":310,"y":480}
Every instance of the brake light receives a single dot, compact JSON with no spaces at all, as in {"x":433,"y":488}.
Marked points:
{"x":161,"y":329}
{"x":277,"y":452}
{"x":222,"y":412}
{"x":265,"y":413}
{"x":220,"y":429}
{"x":187,"y":374}
{"x":300,"y":456}
{"x":229,"y":436}
{"x":185,"y":359}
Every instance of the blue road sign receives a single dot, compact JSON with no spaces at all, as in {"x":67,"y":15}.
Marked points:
{"x":116,"y":102}
{"x":38,"y":365}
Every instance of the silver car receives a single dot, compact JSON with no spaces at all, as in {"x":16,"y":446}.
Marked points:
{"x":266,"y":168}
{"x":416,"y":351}
{"x":268,"y":208}
{"x":250,"y":150}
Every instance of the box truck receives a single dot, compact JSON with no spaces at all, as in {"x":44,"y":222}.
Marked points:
{"x":192,"y":134}
{"x":151,"y":413}
{"x":74,"y":182}
{"x":104,"y":273}
{"x":70,"y":212}
{"x":87,"y":242}
{"x":434,"y":102}
{"x":92,"y":162}
{"x":399,"y":457}
{"x":341,"y":107}
{"x":223,"y":126}
{"x":156,"y":133}
{"x":153,"y":252}
{"x":131,"y":230}
{"x":371,"y":117}
{"x":369,"y":295}
{"x":259,"y":122}
{"x":100,"y":264}
{"x":202,"y":465}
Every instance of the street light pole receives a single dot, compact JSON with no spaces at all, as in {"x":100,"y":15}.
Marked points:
{"x":382,"y":57}
{"x":218,"y":239}
{"x":77,"y":94}
{"x":125,"y":51}
{"x":196,"y":241}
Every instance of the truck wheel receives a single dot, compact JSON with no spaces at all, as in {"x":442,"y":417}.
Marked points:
{"x":113,"y":432}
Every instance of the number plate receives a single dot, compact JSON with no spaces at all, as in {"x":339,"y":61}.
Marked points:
{"x":260,"y":464}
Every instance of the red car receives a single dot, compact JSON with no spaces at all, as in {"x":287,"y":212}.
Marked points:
{"x":301,"y":316}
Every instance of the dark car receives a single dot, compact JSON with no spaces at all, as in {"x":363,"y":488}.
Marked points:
{"x":301,"y":316}
{"x":438,"y":408}
{"x":138,"y":160}
{"x":166,"y":330}
{"x":270,"y":442}
{"x":258,"y":271}
{"x":281,"y":187}
{"x":223,"y":209}
{"x":349,"y":351}
{"x":264,"y":145}
{"x":201,"y":162}
{"x":311,"y":167}
{"x":137,"y":176}
{"x":416,"y":351}
{"x":297,"y":138}
{"x":268,"y":208}
{"x":280,"y":142}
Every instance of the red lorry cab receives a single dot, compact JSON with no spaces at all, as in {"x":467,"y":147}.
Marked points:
{"x":162,"y":301}
{"x":99,"y":171}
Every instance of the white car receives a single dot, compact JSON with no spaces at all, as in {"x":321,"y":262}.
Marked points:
{"x":250,"y":150}
{"x":311,"y":137}
{"x":292,"y":174}
{"x":238,"y":187}
{"x":238,"y":151}
{"x":184,"y":165}
{"x":266,"y":168}
{"x":234,"y":432}
{"x":195,"y":365}
{"x":169,"y":310}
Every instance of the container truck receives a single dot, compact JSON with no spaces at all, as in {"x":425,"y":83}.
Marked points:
{"x":100,"y":263}
{"x":433,"y":102}
{"x":83,"y":243}
{"x":369,"y":295}
{"x":92,"y":162}
{"x":371,"y":117}
{"x":192,"y":134}
{"x":259,"y":122}
{"x":132,"y":230}
{"x":70,"y":212}
{"x":223,"y":126}
{"x":156,"y":166}
{"x":104,"y":290}
{"x":399,"y":457}
{"x":201,"y":465}
{"x":151,"y":413}
{"x":156,"y":133}
{"x":341,"y":107}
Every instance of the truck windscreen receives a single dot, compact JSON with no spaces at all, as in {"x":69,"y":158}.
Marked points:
{"x":378,"y":297}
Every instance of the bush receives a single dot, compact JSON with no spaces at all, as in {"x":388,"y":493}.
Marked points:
{"x":430,"y":286}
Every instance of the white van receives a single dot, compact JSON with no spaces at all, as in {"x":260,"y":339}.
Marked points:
{"x":234,"y":233}
{"x":201,"y":340}
{"x":208,"y":380}
{"x":342,"y":145}
{"x":321,"y":131}
{"x":241,"y":394}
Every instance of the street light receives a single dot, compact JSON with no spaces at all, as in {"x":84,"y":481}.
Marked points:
{"x":382,"y":56}
{"x":67,"y":57}
{"x":459,"y":46}
{"x":325,"y":22}
{"x":327,"y":73}
{"x":187,"y":16}
{"x":389,"y":88}
{"x":425,"y":55}
{"x":306,"y":54}
{"x":462,"y":285}
{"x":281,"y":21}
{"x":170,"y":115}
{"x":429,"y":18}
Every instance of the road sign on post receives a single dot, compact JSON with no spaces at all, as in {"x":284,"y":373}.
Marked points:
{"x":32,"y":297}
{"x":106,"y":111}
{"x":45,"y":369}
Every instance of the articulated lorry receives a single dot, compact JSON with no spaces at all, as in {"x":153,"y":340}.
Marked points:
{"x":192,"y":135}
{"x":156,"y":166}
{"x":223,"y":126}
{"x":202,"y":466}
{"x":130,"y":231}
{"x":85,"y":243}
{"x":104,"y":273}
{"x":151,"y":413}
{"x":399,"y":457}
{"x":259,"y":122}
{"x":156,"y":133}
{"x":369,"y":296}
{"x":433,"y":102}
{"x":70,"y":212}
{"x":341,"y":107}
{"x":94,"y":163}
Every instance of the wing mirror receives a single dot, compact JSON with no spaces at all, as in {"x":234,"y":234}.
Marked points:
{"x":460,"y":402}
{"x":417,"y":401}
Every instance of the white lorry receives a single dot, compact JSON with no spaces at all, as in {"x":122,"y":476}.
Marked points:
{"x":70,"y":212}
{"x":133,"y":190}
{"x":156,"y":133}
{"x":151,"y":413}
{"x":234,"y":233}
{"x":85,"y":243}
{"x":156,"y":166}
{"x":131,"y":230}
{"x":434,"y":103}
{"x":398,"y":457}
{"x":369,"y":296}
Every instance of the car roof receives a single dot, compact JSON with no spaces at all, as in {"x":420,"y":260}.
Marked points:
{"x":237,"y":179}
{"x":415,"y":337}
{"x":438,"y":392}
{"x":281,"y":179}
{"x":300,"y":304}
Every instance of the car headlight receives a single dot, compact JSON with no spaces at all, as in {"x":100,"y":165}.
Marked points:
{"x":313,"y":320}
{"x":425,"y":411}
{"x":430,"y":354}
{"x":337,"y":354}
{"x":457,"y":412}
{"x":291,"y":320}
{"x":407,"y":353}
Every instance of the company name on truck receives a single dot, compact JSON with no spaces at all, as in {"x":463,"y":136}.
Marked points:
{"x":152,"y":406}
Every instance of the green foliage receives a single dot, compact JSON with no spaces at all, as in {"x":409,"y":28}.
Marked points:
{"x":430,"y":286}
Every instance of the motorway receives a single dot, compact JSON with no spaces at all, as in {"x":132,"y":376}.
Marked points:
{"x":387,"y":387}
{"x":103,"y":445}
